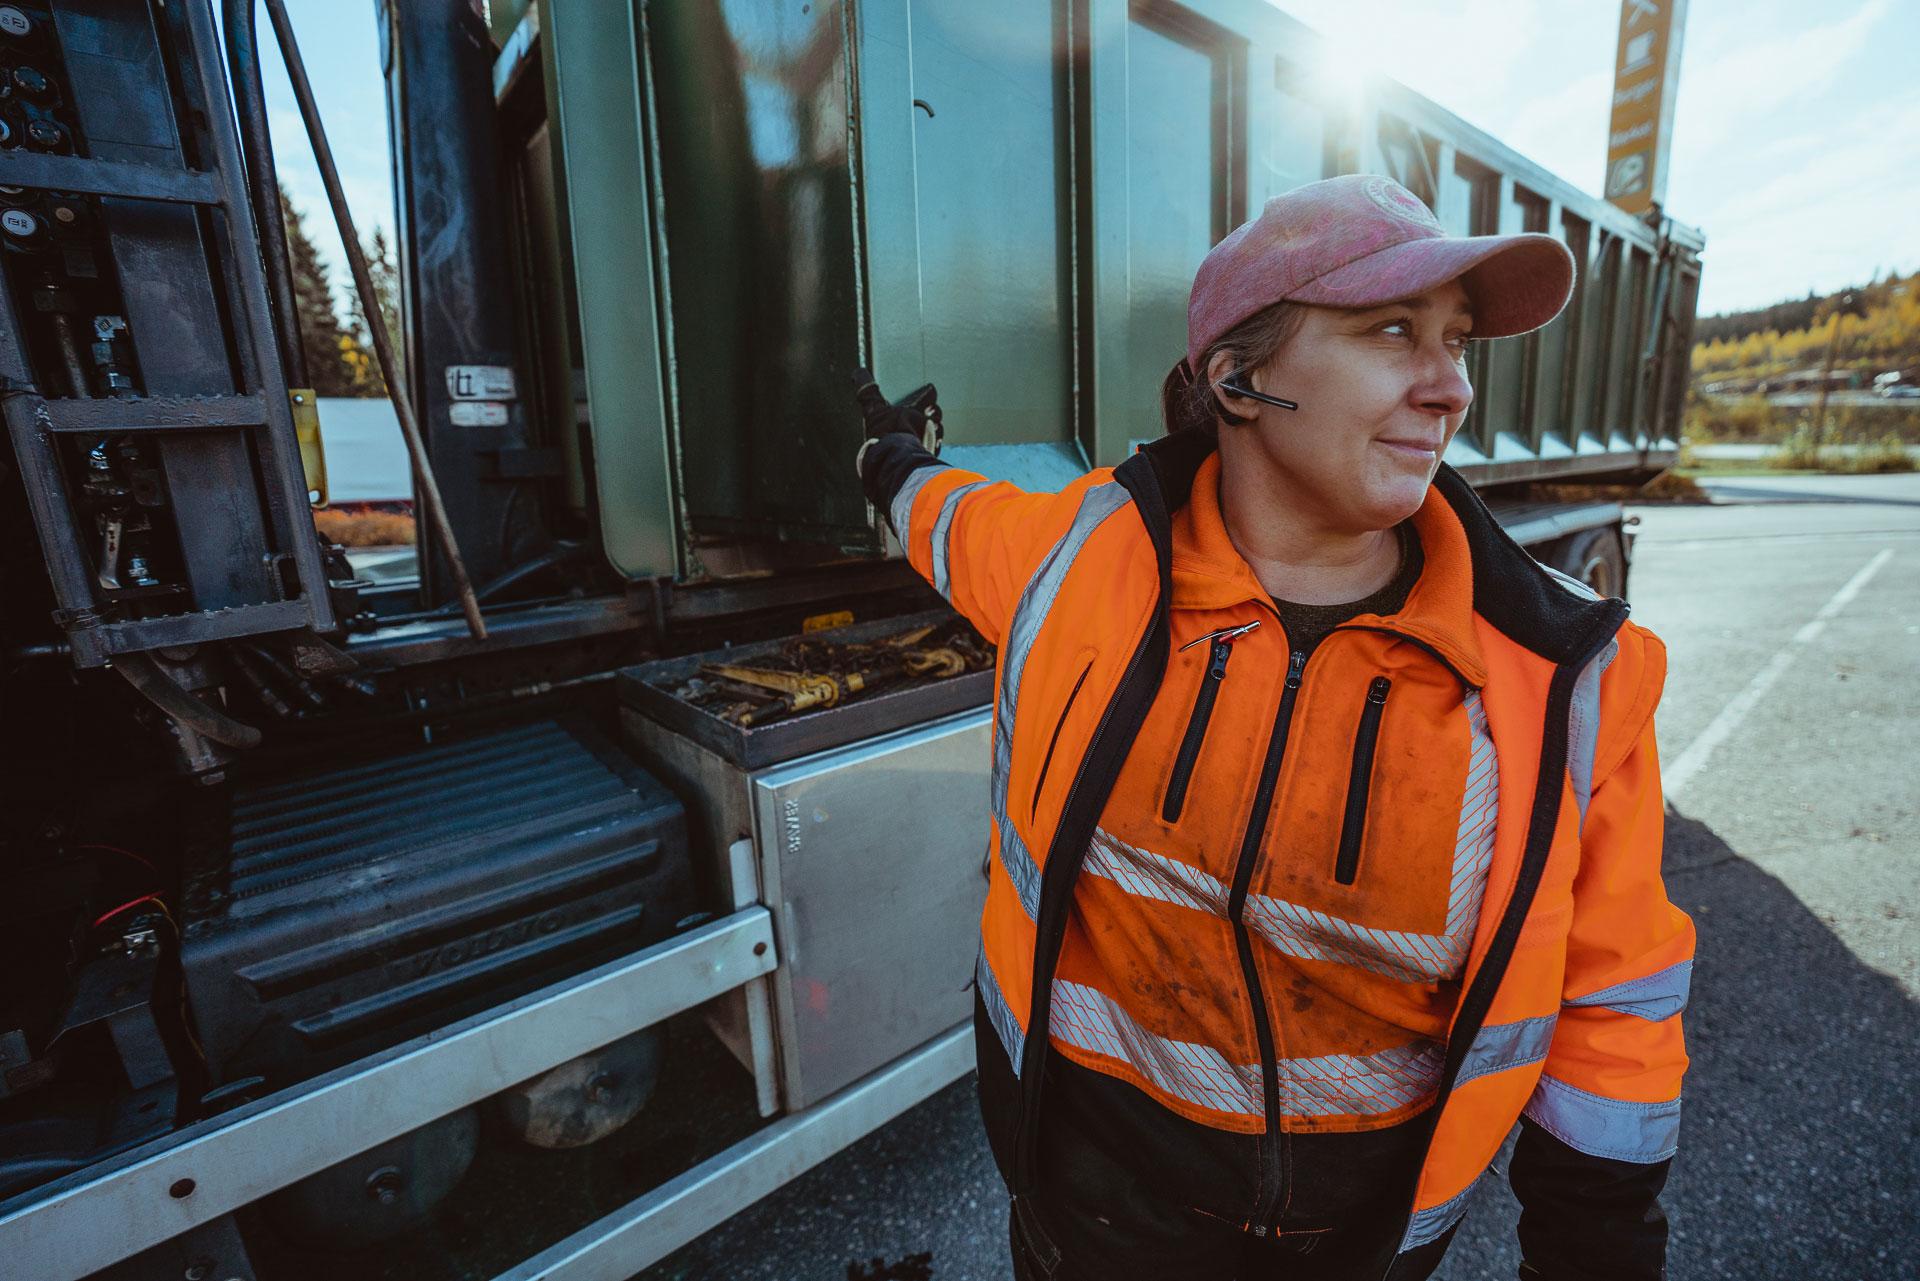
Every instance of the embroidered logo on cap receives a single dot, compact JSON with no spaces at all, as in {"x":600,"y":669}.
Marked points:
{"x":1401,"y":203}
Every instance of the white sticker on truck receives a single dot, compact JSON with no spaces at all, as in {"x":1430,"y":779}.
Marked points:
{"x":477,"y":413}
{"x":480,"y":382}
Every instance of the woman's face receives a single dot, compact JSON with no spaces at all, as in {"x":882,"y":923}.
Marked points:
{"x":1381,"y":393}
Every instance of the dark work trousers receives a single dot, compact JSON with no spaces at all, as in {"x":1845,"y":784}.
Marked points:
{"x":1105,"y":1208}
{"x":1212,"y":1250}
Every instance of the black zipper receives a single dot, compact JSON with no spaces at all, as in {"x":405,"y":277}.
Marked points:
{"x":1196,"y":734}
{"x":1354,"y":825}
{"x":1272,"y":1139}
{"x":1046,"y":762}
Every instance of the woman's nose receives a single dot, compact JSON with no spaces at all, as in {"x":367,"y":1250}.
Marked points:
{"x":1443,"y":387}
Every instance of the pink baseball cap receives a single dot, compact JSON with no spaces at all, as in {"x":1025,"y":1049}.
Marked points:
{"x":1363,"y":240}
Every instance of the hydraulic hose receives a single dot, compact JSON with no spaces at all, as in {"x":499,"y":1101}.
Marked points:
{"x":263,"y":183}
{"x":144,"y":674}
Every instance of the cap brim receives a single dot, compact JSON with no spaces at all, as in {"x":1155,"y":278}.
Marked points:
{"x":1515,"y":283}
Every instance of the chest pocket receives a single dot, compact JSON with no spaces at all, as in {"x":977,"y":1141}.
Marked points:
{"x":1353,"y":821}
{"x":1383,"y":827}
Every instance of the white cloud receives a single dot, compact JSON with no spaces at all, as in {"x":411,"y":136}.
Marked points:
{"x":1724,"y":85}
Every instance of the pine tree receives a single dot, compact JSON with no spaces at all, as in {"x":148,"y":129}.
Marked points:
{"x":321,"y":334}
{"x":386,"y":289}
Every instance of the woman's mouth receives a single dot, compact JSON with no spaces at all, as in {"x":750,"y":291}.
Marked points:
{"x":1411,"y":449}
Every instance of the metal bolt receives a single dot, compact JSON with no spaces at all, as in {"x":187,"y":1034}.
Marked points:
{"x":602,"y":1086}
{"x":759,"y":949}
{"x":384,"y":1185}
{"x":198,"y":1270}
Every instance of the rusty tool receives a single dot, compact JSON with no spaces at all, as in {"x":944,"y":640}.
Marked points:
{"x":937,"y":663}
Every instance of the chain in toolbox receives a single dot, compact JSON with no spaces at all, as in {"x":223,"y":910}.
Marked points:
{"x":810,"y":673}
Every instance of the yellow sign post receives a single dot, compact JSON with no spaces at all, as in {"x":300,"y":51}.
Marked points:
{"x":1646,"y":78}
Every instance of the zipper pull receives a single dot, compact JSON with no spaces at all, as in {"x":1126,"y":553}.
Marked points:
{"x":1295,"y":665}
{"x":1217,"y":663}
{"x":1377,"y":690}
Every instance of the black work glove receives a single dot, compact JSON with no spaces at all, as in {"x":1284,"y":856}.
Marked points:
{"x":917,"y":413}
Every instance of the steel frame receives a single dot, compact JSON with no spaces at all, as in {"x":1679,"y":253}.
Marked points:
{"x":117,"y":1208}
{"x":654,"y":1225}
{"x":262,"y":409}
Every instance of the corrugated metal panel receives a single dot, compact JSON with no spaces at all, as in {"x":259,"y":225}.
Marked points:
{"x":370,"y":902}
{"x":528,"y":778}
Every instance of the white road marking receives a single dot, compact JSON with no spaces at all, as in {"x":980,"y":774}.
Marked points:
{"x":1689,"y":762}
{"x":1733,"y":541}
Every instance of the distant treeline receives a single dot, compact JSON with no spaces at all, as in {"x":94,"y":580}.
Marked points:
{"x":1797,"y":313}
{"x":1878,"y":331}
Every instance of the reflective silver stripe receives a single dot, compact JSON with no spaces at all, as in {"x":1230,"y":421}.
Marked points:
{"x":1361,"y":1084}
{"x":1499,"y":1046}
{"x":999,"y":1013}
{"x":1200,"y":1074}
{"x":1427,"y":1225}
{"x":1144,"y":873}
{"x":1655,"y":998}
{"x":943,"y":531}
{"x":901,"y":512}
{"x":1325,"y":1085}
{"x":1309,"y":934}
{"x":1029,"y":616}
{"x":1583,"y":727}
{"x":1613,"y":1128}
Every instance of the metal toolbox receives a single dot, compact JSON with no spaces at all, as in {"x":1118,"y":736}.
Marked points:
{"x":864,"y":828}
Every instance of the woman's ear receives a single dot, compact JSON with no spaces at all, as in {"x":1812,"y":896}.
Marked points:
{"x":1220,"y":367}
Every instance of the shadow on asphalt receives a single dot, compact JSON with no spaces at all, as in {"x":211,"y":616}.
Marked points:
{"x":1799,"y":1148}
{"x":1728,"y":494}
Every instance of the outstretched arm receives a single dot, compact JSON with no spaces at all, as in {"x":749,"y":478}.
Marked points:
{"x":975,"y":540}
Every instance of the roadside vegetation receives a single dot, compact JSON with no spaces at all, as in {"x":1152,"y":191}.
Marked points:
{"x":364,"y":528}
{"x":1744,"y":360}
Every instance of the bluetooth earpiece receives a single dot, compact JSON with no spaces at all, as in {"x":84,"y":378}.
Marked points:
{"x":1231,"y":383}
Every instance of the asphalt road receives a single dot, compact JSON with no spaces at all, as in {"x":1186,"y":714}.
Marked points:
{"x":1788,"y":733}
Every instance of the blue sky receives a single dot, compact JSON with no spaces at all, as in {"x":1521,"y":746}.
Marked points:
{"x":1796,"y":136}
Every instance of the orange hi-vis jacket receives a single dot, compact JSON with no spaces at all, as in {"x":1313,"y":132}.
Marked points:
{"x":1414,"y":872}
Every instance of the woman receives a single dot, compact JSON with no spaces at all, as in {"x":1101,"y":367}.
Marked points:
{"x":1326,"y":822}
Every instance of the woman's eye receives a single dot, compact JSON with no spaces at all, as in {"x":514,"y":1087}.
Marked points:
{"x":1458,"y":344}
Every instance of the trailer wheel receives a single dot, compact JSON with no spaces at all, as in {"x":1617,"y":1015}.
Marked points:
{"x":382,"y":1192}
{"x":1596,"y":557}
{"x":585,"y":1099}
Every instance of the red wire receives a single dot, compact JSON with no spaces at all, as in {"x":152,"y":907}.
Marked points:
{"x":104,"y":917}
{"x":115,"y":849}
